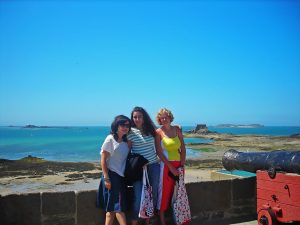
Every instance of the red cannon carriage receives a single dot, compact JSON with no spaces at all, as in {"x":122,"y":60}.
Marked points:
{"x":277,"y":182}
{"x":278,"y":197}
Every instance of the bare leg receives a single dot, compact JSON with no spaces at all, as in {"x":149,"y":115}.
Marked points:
{"x":162,"y":217}
{"x":134,"y":222}
{"x":109,"y":218}
{"x":147,"y":221}
{"x":121,"y":218}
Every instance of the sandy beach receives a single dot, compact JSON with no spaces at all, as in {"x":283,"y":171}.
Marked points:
{"x":35,"y":175}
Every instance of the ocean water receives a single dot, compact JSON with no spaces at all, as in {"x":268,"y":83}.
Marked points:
{"x":59,"y":144}
{"x":240,"y":173}
{"x":70,"y":144}
{"x":83,"y":143}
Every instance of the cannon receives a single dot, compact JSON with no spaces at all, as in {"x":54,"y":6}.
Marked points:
{"x":280,"y":160}
{"x":277,"y":182}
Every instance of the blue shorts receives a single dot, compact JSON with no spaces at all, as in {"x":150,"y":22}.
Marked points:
{"x":113,"y":200}
{"x":153,"y":174}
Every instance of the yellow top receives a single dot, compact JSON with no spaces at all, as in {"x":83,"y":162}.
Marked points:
{"x":172,"y":147}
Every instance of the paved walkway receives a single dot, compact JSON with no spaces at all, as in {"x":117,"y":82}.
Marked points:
{"x":254,"y":222}
{"x":236,"y":222}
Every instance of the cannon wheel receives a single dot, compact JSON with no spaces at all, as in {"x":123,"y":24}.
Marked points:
{"x":266,"y":217}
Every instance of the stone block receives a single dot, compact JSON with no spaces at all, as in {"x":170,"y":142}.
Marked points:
{"x":87,"y":212}
{"x":200,"y":218}
{"x":59,"y":219}
{"x":20,"y":209}
{"x":241,"y":212}
{"x":244,"y":188}
{"x":58,"y":208}
{"x":216,"y":215}
{"x":209,"y":196}
{"x":245,"y":202}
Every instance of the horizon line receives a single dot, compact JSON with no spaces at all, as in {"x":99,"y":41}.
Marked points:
{"x":182,"y":125}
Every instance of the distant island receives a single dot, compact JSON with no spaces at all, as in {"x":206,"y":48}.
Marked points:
{"x":34,"y":126}
{"x":239,"y":125}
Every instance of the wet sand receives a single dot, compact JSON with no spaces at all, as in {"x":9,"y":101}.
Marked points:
{"x":53,"y":176}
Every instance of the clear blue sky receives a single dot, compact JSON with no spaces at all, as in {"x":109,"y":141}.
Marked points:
{"x":83,"y":62}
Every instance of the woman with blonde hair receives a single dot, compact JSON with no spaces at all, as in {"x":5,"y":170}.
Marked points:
{"x":171,"y":150}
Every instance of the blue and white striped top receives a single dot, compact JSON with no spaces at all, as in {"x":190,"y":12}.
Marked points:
{"x":143,"y":145}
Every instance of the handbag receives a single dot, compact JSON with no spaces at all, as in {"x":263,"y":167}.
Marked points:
{"x":134,"y":168}
{"x":180,"y":202}
{"x":146,"y":207}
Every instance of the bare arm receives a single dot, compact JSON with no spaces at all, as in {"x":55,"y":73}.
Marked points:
{"x":129,"y":145}
{"x":183,"y":150}
{"x":161,"y":155}
{"x":104,"y":157}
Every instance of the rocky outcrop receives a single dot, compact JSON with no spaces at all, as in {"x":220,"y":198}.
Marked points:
{"x":239,"y":126}
{"x":200,"y":129}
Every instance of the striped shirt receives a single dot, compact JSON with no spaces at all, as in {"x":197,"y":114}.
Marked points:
{"x":143,"y":145}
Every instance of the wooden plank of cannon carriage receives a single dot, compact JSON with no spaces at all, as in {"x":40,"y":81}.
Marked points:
{"x":291,"y":178}
{"x":284,"y":185}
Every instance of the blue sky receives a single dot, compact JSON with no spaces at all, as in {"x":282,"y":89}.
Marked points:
{"x":83,"y":62}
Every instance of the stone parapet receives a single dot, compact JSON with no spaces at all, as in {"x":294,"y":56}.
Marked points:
{"x":209,"y":201}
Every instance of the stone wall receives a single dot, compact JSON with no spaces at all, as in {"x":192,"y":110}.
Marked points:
{"x":209,"y":201}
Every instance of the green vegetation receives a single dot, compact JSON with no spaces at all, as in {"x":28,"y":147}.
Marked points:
{"x":208,"y":150}
{"x":204,"y":164}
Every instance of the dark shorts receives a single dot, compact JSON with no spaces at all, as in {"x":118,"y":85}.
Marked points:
{"x":113,"y":200}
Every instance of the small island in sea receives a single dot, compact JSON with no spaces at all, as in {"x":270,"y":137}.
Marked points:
{"x":34,"y":126}
{"x":239,"y":125}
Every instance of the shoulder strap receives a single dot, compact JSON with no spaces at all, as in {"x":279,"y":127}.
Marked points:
{"x":145,"y":176}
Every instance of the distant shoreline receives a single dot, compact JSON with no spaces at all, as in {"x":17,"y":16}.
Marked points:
{"x":182,"y":125}
{"x":34,"y":126}
{"x":239,"y":126}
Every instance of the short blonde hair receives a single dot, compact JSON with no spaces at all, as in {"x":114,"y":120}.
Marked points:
{"x":164,"y":111}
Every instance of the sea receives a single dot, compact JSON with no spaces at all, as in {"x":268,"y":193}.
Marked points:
{"x":82,"y":144}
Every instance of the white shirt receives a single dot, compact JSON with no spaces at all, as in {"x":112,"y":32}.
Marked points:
{"x":118,"y":154}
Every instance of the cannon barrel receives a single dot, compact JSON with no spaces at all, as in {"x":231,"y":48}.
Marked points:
{"x":280,"y":160}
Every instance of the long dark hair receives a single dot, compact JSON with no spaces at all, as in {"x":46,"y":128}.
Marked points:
{"x":119,"y":120}
{"x":148,"y":125}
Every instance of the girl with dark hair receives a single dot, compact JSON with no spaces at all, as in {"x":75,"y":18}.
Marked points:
{"x":146,"y":124}
{"x":112,"y":189}
{"x":142,"y":141}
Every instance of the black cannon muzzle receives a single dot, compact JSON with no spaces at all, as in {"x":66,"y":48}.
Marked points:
{"x":279,"y":160}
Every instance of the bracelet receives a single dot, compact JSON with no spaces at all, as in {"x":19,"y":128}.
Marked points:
{"x":106,"y":179}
